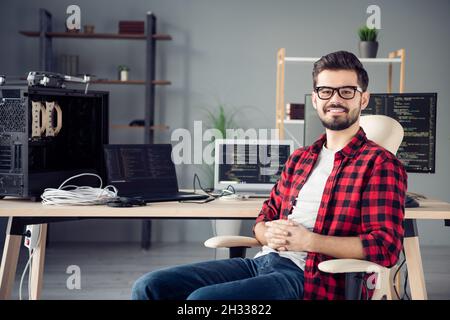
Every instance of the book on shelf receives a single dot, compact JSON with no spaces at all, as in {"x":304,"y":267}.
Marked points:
{"x":131,"y":27}
{"x":295,"y":111}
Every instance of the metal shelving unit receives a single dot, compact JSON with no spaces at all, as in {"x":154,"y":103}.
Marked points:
{"x":46,"y":63}
{"x":46,"y":60}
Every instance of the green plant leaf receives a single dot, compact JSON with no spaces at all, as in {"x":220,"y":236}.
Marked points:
{"x":367,"y":34}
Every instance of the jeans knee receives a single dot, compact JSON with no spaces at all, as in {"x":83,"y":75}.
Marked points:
{"x":147,"y":287}
{"x":155,"y":285}
{"x":140,"y":290}
{"x":202,"y":294}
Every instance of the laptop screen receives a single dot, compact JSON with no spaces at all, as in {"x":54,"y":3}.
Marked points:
{"x":141,"y":168}
{"x":250,"y":165}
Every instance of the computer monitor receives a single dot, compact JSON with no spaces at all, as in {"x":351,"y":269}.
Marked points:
{"x":312,"y":127}
{"x":249,"y":165}
{"x":416,"y":112}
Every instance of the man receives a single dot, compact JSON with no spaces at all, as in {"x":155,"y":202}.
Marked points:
{"x":342,"y":197}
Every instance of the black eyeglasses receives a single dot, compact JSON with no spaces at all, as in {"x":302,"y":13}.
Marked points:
{"x":347,"y":92}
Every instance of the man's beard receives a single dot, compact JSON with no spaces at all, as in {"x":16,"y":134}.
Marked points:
{"x":341,"y":122}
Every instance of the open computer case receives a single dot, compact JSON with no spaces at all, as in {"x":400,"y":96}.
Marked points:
{"x":48,"y":135}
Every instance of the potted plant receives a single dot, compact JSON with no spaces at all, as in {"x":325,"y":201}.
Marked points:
{"x":368,"y":45}
{"x":222,"y":118}
{"x":123,"y":72}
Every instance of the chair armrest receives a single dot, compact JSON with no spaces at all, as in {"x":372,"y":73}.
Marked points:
{"x":231,"y":241}
{"x":350,"y":266}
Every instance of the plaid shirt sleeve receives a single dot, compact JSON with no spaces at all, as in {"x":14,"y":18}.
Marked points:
{"x":382,"y":212}
{"x":271,"y":207}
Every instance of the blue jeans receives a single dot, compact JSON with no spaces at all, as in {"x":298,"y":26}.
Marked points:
{"x":269,"y":277}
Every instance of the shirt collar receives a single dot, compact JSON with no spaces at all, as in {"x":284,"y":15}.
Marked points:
{"x":349,"y":150}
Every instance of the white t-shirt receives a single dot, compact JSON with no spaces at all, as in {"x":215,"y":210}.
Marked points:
{"x":308,"y":202}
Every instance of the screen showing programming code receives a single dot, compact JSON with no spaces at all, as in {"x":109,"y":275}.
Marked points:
{"x":252,"y":163}
{"x":416,"y":112}
{"x":147,"y":167}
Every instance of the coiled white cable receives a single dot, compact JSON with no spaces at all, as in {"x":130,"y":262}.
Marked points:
{"x":80,"y":196}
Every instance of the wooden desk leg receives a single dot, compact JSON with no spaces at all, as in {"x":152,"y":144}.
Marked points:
{"x":9,"y":265}
{"x":37,"y":266}
{"x":415,"y":269}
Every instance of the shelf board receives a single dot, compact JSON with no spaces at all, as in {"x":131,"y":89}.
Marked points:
{"x":155,"y":82}
{"x":142,"y":36}
{"x":294,"y":121}
{"x":125,"y":126}
{"x":363,"y":60}
{"x":297,"y":121}
{"x":160,"y":36}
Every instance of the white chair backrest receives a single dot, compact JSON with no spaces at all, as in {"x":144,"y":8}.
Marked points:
{"x":383,"y":130}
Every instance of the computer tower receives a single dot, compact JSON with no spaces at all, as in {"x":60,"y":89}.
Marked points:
{"x":48,"y":135}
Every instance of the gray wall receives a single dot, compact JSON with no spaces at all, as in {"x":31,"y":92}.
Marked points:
{"x":224,"y":51}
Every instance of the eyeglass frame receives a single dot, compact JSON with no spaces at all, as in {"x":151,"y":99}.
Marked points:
{"x":355,"y":88}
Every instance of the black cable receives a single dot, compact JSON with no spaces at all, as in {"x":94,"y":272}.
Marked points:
{"x":405,"y":288}
{"x":405,"y":293}
{"x":213,"y":197}
{"x":395,"y":277}
{"x":228,"y":188}
{"x":196,"y":178}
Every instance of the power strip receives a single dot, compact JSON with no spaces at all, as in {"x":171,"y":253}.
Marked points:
{"x":31,"y":238}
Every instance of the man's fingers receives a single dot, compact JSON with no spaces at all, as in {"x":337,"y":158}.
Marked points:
{"x":278,"y":231}
{"x":272,"y":245}
{"x":278,"y":241}
{"x":283,"y":222}
{"x":275,"y":239}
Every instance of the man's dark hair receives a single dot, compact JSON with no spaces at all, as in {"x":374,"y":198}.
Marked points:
{"x":341,"y":60}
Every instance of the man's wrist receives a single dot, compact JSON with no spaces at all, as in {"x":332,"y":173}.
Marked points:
{"x":260,"y":229}
{"x":313,"y":239}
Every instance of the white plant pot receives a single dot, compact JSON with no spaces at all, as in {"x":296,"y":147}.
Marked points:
{"x":225,"y":228}
{"x":124,"y":75}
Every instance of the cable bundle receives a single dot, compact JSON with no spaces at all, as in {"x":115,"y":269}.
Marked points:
{"x":80,"y":196}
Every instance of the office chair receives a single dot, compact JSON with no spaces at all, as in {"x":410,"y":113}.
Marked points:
{"x":387,"y":133}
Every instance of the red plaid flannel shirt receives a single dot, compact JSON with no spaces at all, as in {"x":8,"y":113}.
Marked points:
{"x":363,"y":196}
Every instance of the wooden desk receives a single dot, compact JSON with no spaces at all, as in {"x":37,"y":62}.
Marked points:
{"x":22,"y":212}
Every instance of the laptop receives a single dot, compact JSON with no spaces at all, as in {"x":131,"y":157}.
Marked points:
{"x":249,"y":167}
{"x":145,"y":171}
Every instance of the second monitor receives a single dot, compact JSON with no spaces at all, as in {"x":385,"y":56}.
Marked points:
{"x":416,"y":112}
{"x":250,"y":166}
